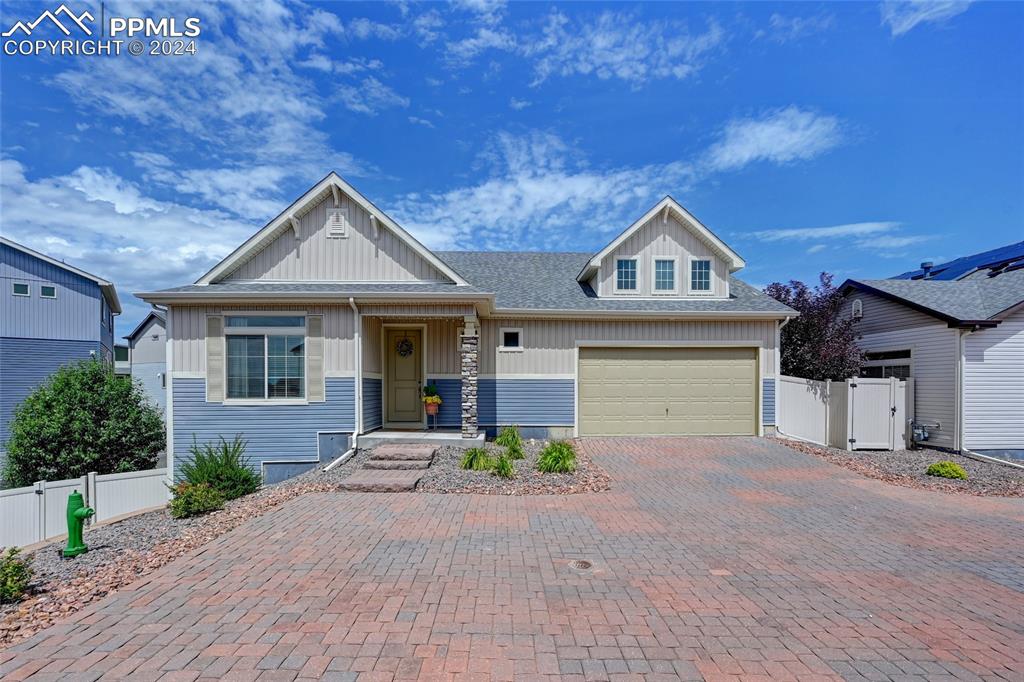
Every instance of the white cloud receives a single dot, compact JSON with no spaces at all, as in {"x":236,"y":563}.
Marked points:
{"x":818,"y":233}
{"x":782,"y":29}
{"x":365,"y":29}
{"x":421,"y":121}
{"x":539,"y":192}
{"x":428,"y":26}
{"x":485,"y":38}
{"x":816,"y":249}
{"x":903,"y":15}
{"x":519,"y":104}
{"x":370,"y":97}
{"x":616,"y":45}
{"x":779,"y":136}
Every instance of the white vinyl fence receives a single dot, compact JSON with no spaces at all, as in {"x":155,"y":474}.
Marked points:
{"x":856,"y":414}
{"x":39,"y":512}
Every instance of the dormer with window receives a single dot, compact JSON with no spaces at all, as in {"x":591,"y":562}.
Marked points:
{"x":666,"y":254}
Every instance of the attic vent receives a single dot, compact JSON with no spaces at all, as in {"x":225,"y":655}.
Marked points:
{"x":337,"y":223}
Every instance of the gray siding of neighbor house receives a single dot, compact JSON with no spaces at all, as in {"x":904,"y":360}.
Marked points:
{"x":363,"y":256}
{"x":888,"y":325}
{"x":149,"y":361}
{"x":275,"y":433}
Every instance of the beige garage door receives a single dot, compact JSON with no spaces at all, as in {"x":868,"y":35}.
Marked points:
{"x":668,"y":391}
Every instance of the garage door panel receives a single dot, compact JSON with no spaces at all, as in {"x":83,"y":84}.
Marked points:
{"x":667,"y":391}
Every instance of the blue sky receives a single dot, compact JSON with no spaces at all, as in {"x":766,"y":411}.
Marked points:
{"x":858,"y":138}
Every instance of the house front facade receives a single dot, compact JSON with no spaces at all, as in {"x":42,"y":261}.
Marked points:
{"x":328,"y":323}
{"x":52,"y":314}
{"x":956,"y":329}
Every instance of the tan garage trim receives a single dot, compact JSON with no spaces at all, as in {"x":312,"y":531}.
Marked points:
{"x":667,"y":391}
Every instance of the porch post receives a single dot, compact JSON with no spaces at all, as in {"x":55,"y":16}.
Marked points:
{"x":470,"y":347}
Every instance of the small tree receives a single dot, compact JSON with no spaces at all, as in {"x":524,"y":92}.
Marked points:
{"x":83,"y":418}
{"x":819,"y":344}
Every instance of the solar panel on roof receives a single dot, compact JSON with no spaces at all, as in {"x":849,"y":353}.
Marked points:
{"x":1001,"y":259}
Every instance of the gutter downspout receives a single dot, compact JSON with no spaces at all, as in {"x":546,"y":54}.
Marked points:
{"x":960,"y":348}
{"x":358,"y":429}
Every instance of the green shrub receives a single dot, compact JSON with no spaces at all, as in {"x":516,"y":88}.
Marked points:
{"x":503,"y":467}
{"x":947,"y":469}
{"x":477,"y":459}
{"x":222,"y":466}
{"x":559,"y":457}
{"x":510,"y":440}
{"x":15,"y":574}
{"x":82,"y":418}
{"x":193,"y":499}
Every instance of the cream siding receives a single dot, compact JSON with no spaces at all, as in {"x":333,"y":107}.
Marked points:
{"x":657,"y":238}
{"x":413,"y":310}
{"x":442,"y":348}
{"x":994,"y":386}
{"x":188,"y":335}
{"x":549,"y":346}
{"x":360,"y":257}
{"x":933,"y":366}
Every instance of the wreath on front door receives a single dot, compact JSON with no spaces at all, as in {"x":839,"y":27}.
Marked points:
{"x":404,"y":348}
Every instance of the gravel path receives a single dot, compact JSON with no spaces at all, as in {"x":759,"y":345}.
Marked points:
{"x":445,"y":476}
{"x":907,"y":468}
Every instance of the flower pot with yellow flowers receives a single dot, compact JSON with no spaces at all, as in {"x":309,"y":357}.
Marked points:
{"x":431,"y":400}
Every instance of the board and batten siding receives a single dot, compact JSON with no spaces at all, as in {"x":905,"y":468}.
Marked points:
{"x":188,"y":334}
{"x":76,"y":313}
{"x":549,"y":346}
{"x":657,"y":238}
{"x":362,"y":256}
{"x":933,"y":365}
{"x":994,"y":386}
{"x":442,"y":344}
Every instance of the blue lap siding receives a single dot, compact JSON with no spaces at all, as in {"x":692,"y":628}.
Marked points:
{"x":372,"y":403}
{"x":274,"y":432}
{"x":528,"y":402}
{"x":768,"y":401}
{"x":450,"y":413}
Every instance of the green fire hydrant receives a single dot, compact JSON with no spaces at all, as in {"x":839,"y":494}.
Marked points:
{"x":77,"y":514}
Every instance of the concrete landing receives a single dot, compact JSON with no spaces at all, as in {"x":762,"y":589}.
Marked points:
{"x":377,"y":481}
{"x":397,"y":464}
{"x":438,"y":439}
{"x":403,"y":452}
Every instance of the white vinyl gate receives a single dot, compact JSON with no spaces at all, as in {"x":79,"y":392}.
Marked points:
{"x":856,"y":414}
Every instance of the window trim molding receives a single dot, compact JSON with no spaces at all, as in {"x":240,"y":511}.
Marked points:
{"x":690,"y":291}
{"x":674,"y":291}
{"x":502,"y":348}
{"x":635,"y":291}
{"x":893,"y":362}
{"x":28,"y":289}
{"x":264,"y":332}
{"x":48,"y":286}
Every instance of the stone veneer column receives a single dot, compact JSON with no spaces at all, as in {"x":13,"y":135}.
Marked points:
{"x":470,"y":347}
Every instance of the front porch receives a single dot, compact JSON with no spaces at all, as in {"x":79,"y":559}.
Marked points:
{"x":402,"y":349}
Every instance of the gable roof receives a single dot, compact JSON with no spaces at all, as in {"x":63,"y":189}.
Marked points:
{"x":542,"y":281}
{"x":977,"y":301}
{"x":998,"y":260}
{"x":331,"y":183}
{"x":158,"y":314}
{"x":666,"y":205}
{"x":108,"y":289}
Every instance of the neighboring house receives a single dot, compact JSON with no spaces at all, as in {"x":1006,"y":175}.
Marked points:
{"x":958,"y":330}
{"x":52,"y":314}
{"x":327,"y":322}
{"x":122,"y":360}
{"x":147,"y":356}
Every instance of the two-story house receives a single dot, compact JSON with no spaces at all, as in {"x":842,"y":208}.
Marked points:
{"x":147,"y":356}
{"x":329,"y":321}
{"x":52,"y":314}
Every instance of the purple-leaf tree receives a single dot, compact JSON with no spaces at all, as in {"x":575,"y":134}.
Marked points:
{"x":820,"y":344}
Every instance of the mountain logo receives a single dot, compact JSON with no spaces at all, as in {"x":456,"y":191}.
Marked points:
{"x":69,"y":16}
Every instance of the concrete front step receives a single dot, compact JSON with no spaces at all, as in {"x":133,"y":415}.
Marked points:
{"x":396,"y":464}
{"x":404,"y":452}
{"x":377,"y":481}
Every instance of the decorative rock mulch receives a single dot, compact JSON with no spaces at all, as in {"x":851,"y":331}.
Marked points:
{"x":121,"y":553}
{"x":907,"y":468}
{"x":445,"y":476}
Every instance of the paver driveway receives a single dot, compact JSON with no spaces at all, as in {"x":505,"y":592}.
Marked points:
{"x":711,"y":557}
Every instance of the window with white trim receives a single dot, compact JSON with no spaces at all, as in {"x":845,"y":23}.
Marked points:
{"x":511,"y":339}
{"x":266,"y":357}
{"x":625,"y":274}
{"x":664,"y":276}
{"x":20,"y":289}
{"x":885,"y":364}
{"x":700,"y":275}
{"x":47,"y":291}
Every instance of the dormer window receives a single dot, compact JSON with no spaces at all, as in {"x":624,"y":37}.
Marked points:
{"x":625,"y":274}
{"x":700,"y":276}
{"x":664,"y":276}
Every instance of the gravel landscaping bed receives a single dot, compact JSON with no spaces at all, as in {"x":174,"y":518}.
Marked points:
{"x":907,"y":468}
{"x":120,"y":553}
{"x":445,"y":476}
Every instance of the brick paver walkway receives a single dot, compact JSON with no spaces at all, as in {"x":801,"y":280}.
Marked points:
{"x":711,"y":558}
